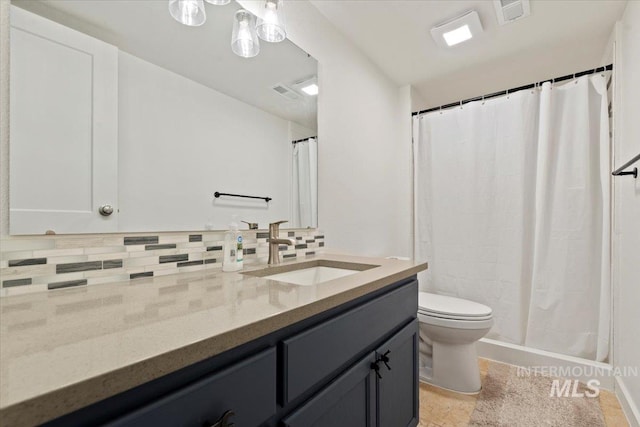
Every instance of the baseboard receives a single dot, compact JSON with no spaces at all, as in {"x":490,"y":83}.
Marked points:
{"x":581,"y":369}
{"x":629,"y":407}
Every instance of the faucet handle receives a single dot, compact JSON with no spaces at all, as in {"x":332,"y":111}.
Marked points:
{"x":252,"y":225}
{"x":278,"y":222}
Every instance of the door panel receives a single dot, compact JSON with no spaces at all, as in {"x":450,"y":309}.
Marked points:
{"x":398,"y":387}
{"x":349,"y":401}
{"x":63,"y":121}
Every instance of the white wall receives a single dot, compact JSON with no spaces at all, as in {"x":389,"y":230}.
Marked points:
{"x":172,"y":133}
{"x":626,"y":258}
{"x":364,"y":160}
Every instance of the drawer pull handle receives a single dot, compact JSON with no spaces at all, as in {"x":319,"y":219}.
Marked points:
{"x":385,"y":359}
{"x":223,"y":421}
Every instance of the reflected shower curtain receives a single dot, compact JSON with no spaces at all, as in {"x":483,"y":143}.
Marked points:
{"x":305,"y":184}
{"x":512,"y":210}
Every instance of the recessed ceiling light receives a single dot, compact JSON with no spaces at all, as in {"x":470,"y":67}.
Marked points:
{"x":457,"y":30}
{"x":458,"y":35}
{"x":308,"y":86}
{"x":311,"y":89}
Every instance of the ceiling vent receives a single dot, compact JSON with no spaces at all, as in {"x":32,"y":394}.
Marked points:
{"x":285,"y":91}
{"x":511,"y":10}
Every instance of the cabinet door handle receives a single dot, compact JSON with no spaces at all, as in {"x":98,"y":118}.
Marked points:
{"x":376,"y":368}
{"x":222,"y":422}
{"x":385,"y":359}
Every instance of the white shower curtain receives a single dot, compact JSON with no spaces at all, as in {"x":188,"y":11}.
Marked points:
{"x":305,"y":184}
{"x":512,"y":205}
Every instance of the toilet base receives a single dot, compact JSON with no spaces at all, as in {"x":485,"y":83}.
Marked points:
{"x":427,"y":380}
{"x":455,"y":367}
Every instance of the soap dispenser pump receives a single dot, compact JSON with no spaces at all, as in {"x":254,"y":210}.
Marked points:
{"x":233,"y":251}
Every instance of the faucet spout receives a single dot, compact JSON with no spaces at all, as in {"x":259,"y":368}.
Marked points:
{"x":289,"y":242}
{"x":275,"y":242}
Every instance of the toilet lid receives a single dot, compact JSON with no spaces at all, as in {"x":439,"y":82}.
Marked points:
{"x":451,"y":307}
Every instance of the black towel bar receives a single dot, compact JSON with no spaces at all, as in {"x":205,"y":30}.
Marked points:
{"x":218,"y":194}
{"x":634,"y":172}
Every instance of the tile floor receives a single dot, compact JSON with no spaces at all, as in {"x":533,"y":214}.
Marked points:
{"x":442,"y":408}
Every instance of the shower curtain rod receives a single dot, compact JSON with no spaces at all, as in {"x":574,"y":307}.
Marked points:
{"x":515,"y":89}
{"x":304,"y":139}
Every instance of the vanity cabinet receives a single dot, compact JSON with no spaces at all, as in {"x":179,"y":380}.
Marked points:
{"x":353,"y":365}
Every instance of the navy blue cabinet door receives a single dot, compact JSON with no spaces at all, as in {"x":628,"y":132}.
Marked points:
{"x":398,"y":386}
{"x":349,"y":401}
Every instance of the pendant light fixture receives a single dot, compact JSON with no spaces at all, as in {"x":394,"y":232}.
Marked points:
{"x":188,"y":12}
{"x":244,"y":41}
{"x":244,"y":38}
{"x":271,"y":27}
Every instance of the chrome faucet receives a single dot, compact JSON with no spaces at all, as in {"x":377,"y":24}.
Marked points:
{"x":275,"y":242}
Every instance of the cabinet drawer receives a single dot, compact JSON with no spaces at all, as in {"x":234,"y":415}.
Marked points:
{"x":321,"y":351}
{"x":247,"y":388}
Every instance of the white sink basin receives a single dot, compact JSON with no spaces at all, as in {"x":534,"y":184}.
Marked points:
{"x":309,"y":273}
{"x":312,"y":275}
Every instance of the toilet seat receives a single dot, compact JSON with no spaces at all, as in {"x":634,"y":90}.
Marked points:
{"x":455,"y":317}
{"x":451,"y":308}
{"x":480,"y":323}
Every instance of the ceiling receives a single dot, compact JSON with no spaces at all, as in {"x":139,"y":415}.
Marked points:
{"x":559,"y":37}
{"x":203,"y":54}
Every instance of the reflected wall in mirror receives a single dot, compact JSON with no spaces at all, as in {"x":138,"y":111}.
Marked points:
{"x":115,"y":103}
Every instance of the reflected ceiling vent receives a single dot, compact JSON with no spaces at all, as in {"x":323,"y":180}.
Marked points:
{"x":511,"y":10}
{"x":285,"y":91}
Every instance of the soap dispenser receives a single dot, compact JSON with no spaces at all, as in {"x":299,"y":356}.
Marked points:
{"x":233,"y":252}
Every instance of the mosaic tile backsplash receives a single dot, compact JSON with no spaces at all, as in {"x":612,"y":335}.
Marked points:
{"x":52,"y":262}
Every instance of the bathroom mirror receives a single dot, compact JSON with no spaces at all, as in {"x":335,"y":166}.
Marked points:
{"x":125,"y":120}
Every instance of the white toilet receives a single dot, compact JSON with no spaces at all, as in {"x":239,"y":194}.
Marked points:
{"x":449,"y":329}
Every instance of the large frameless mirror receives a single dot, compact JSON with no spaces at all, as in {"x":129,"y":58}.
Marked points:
{"x":123,"y":120}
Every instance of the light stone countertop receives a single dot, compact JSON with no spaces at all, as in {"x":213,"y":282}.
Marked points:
{"x":62,"y":350}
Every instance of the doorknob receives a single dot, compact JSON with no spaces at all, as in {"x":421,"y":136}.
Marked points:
{"x":105,"y":210}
